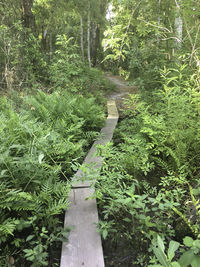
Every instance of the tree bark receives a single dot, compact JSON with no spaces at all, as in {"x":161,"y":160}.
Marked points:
{"x":81,"y":37}
{"x":88,"y":36}
{"x":44,"y":39}
{"x":95,"y":42}
{"x":50,"y":46}
{"x":159,"y":19}
{"x":178,"y":26}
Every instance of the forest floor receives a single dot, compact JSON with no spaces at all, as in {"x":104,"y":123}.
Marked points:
{"x":123,"y":90}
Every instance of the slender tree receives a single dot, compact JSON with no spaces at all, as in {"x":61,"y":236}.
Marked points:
{"x":82,"y":37}
{"x":178,"y":25}
{"x":88,"y":34}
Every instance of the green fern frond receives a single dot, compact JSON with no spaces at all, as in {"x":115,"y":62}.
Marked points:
{"x":8,"y":227}
{"x":161,"y":163}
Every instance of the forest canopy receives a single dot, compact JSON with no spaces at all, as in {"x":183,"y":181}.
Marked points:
{"x":134,"y":34}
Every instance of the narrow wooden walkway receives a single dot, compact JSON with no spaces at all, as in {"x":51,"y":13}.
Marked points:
{"x":84,"y":248}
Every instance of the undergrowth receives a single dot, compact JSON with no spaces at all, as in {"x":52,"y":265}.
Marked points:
{"x":43,"y":136}
{"x":149,"y":184}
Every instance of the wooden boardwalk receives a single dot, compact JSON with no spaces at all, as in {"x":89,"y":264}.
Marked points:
{"x":84,"y":248}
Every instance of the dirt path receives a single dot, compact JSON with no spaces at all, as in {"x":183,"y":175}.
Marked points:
{"x":123,"y":90}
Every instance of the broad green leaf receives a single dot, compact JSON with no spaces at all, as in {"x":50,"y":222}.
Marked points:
{"x":30,"y":237}
{"x":175,"y":264}
{"x":173,"y":246}
{"x":3,"y":172}
{"x":186,"y":258}
{"x":160,"y":243}
{"x":188,"y":241}
{"x":160,"y":255}
{"x":196,"y":191}
{"x":196,"y":261}
{"x":148,"y":223}
{"x":124,"y":201}
{"x":196,"y":244}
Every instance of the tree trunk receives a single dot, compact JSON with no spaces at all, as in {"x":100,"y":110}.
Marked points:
{"x":81,"y":37}
{"x":159,"y":19}
{"x":44,"y":39}
{"x":100,"y":30}
{"x":28,"y":18}
{"x":178,"y":26}
{"x":50,"y":46}
{"x":95,"y":42}
{"x":88,"y":36}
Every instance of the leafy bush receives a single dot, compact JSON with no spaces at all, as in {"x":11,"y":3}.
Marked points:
{"x":132,"y":212}
{"x":39,"y":145}
{"x":149,"y":184}
{"x":67,"y":71}
{"x":190,"y":253}
{"x":22,"y":60}
{"x":66,"y":64}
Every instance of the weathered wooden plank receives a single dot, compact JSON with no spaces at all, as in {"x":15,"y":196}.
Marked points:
{"x":112,"y":109}
{"x":84,"y":247}
{"x":106,"y":135}
{"x":91,"y":160}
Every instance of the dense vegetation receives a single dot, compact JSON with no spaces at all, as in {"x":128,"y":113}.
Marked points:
{"x":49,"y":117}
{"x":150,"y":180}
{"x":40,"y":143}
{"x":52,"y":108}
{"x":149,"y":188}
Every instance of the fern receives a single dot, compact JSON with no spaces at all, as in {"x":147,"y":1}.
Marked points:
{"x":39,"y":143}
{"x":7,"y":228}
{"x":163,"y":164}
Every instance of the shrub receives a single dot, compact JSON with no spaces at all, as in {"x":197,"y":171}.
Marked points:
{"x":150,"y":178}
{"x":40,"y":143}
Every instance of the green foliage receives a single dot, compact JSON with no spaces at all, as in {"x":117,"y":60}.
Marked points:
{"x":189,"y":253}
{"x":66,"y":64}
{"x":40,"y":143}
{"x":69,"y":72}
{"x":22,"y":60}
{"x":191,"y":256}
{"x":132,"y":211}
{"x":35,"y":47}
{"x":149,"y":183}
{"x":165,"y":259}
{"x":163,"y":139}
